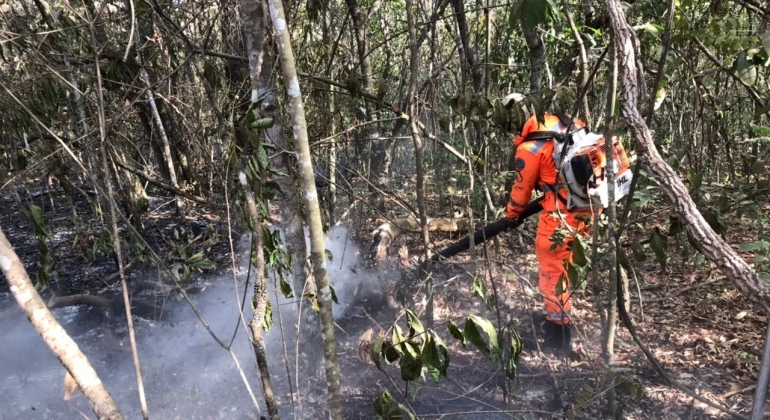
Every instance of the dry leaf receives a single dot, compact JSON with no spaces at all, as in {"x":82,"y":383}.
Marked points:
{"x":70,"y":386}
{"x":741,"y":315}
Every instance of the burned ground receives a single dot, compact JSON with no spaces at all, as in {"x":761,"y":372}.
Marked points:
{"x":704,"y":333}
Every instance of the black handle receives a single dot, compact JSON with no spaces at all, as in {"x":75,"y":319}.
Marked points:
{"x":489,"y":231}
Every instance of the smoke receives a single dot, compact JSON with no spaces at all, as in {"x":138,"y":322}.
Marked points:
{"x":187,"y":375}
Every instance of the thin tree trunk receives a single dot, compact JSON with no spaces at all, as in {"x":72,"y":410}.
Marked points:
{"x":263,"y":84}
{"x":487,"y":47}
{"x":537,"y":55}
{"x":418,"y":149}
{"x":164,"y":140}
{"x":743,"y":277}
{"x":380,"y":156}
{"x":583,"y":59}
{"x":156,"y":117}
{"x":608,"y":344}
{"x":465,"y":38}
{"x":308,"y":191}
{"x":259,"y":300}
{"x":116,"y":235}
{"x":332,"y":156}
{"x":65,"y":349}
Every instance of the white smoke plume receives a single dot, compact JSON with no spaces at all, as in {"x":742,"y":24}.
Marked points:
{"x":187,"y":375}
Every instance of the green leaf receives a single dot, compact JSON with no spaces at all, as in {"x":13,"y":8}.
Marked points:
{"x":286,"y":288}
{"x":578,"y":253}
{"x":716,"y":221}
{"x":334,"y":295}
{"x":652,"y":29}
{"x":386,"y":408}
{"x":755,"y":246}
{"x":724,"y":203}
{"x":761,"y":111}
{"x":35,"y":215}
{"x":638,"y":251}
{"x":561,"y":285}
{"x":572,"y":275}
{"x":414,"y":324}
{"x":766,"y":46}
{"x":375,"y":352}
{"x":745,"y":69}
{"x":205,"y":265}
{"x":397,"y":336}
{"x":411,"y":366}
{"x":515,"y":349}
{"x":430,"y":357}
{"x":479,"y":288}
{"x":329,"y":255}
{"x":659,"y":245}
{"x":390,"y":353}
{"x":250,"y":117}
{"x":382,"y":406}
{"x":443,"y":353}
{"x":641,"y":197}
{"x":696,"y":180}
{"x":675,"y":225}
{"x":473,"y":335}
{"x":758,"y":166}
{"x":457,"y":333}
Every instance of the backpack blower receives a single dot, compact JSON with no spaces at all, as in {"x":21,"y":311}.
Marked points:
{"x":489,"y":231}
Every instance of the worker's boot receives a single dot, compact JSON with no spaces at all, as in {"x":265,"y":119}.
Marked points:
{"x":556,"y":336}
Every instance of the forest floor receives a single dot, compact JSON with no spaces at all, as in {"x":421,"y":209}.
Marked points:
{"x":704,"y":333}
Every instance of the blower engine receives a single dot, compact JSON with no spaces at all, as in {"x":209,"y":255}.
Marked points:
{"x":582,"y":168}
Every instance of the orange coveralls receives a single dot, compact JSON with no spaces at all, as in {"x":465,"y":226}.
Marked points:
{"x":536,"y":169}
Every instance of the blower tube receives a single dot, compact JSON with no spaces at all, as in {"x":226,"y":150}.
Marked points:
{"x":489,"y":231}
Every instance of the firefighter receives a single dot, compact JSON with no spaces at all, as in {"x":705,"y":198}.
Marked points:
{"x":536,"y":170}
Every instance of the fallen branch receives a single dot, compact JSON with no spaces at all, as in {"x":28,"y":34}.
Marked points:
{"x":387,"y":232}
{"x":81,"y":299}
{"x":110,"y":278}
{"x":738,"y":391}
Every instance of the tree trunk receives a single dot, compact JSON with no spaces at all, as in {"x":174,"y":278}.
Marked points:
{"x":65,"y":349}
{"x":259,"y":300}
{"x":167,"y":160}
{"x":380,"y":157}
{"x":308,"y":191}
{"x":609,"y":330}
{"x":263,"y":84}
{"x":418,"y":149}
{"x":537,"y":55}
{"x":583,"y":60}
{"x":144,"y":31}
{"x":465,"y":37}
{"x":743,"y":277}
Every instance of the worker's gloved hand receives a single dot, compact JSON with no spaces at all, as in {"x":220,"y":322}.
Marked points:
{"x":511,"y":223}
